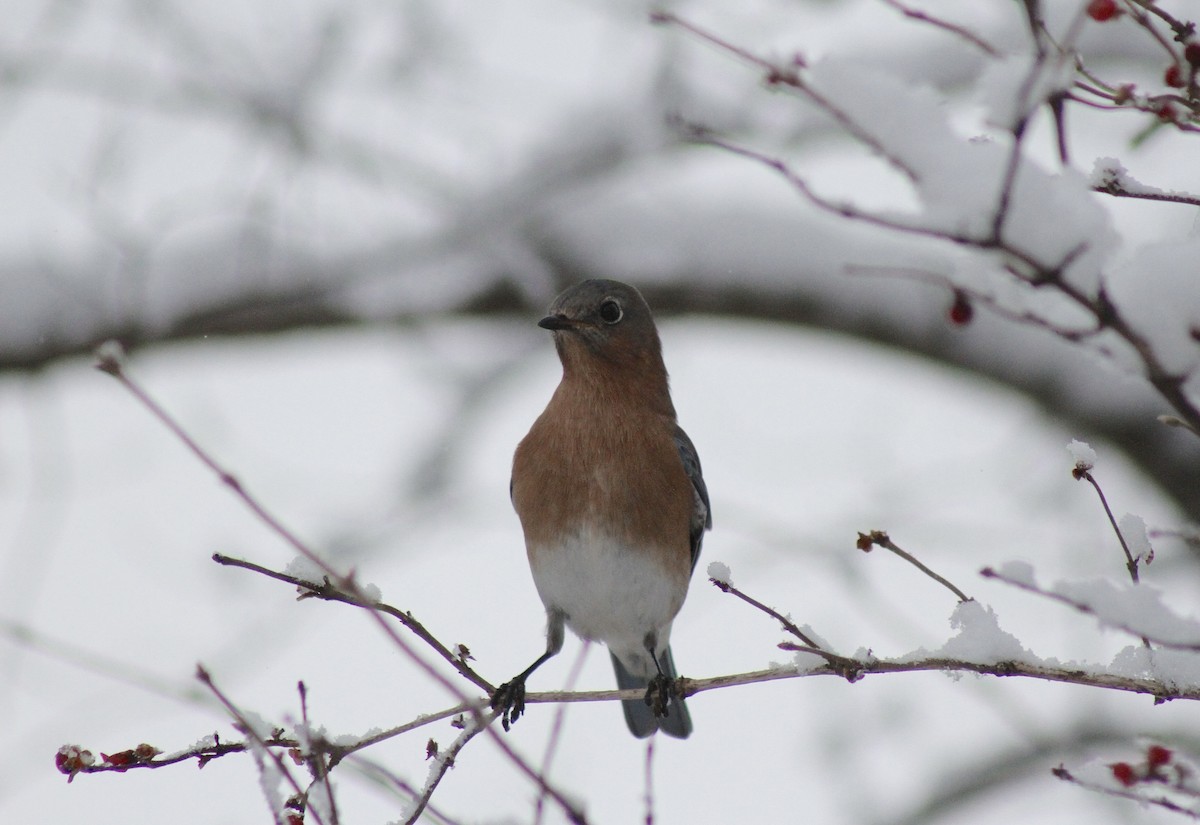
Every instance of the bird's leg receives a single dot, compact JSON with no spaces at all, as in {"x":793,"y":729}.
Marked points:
{"x":658,"y":690}
{"x":509,"y":698}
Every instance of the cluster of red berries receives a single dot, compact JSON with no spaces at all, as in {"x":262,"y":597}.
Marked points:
{"x":1177,"y":75}
{"x":1157,"y":758}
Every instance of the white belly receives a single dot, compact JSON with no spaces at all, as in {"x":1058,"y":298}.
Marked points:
{"x":610,"y":594}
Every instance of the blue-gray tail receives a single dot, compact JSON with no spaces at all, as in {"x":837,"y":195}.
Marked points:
{"x":639,"y":716}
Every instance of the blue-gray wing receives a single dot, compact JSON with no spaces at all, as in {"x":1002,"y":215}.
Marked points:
{"x":701,"y":512}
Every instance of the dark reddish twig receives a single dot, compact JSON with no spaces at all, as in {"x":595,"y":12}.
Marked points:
{"x":1131,"y":564}
{"x":881,"y":539}
{"x":329,"y":591}
{"x":788,"y":624}
{"x":961,"y":31}
{"x":648,"y":796}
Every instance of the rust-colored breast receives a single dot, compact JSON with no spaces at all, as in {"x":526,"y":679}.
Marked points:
{"x":602,"y":460}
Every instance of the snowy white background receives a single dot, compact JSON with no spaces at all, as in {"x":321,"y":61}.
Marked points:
{"x":134,"y":195}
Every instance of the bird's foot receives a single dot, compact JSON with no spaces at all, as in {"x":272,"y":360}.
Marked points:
{"x":509,"y":700}
{"x":658,"y":694}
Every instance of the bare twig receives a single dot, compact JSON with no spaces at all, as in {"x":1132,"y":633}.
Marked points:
{"x":1169,"y":197}
{"x":316,"y":756}
{"x":260,"y":741}
{"x":648,"y":796}
{"x":878,"y":537}
{"x":329,"y":591}
{"x":1131,"y":564}
{"x":961,"y":31}
{"x":445,"y":761}
{"x":374,"y":771}
{"x":556,"y":728}
{"x":776,"y":74}
{"x":788,"y":624}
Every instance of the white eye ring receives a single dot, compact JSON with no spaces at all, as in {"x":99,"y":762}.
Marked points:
{"x":610,"y":311}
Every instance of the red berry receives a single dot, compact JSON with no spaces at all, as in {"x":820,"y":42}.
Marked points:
{"x":1102,"y":10}
{"x":1123,"y":773}
{"x":1157,"y":756}
{"x":1165,"y":112}
{"x":1191,"y":53}
{"x":961,"y":312}
{"x":1173,"y":77}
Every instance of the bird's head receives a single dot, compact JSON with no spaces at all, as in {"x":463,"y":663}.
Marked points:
{"x":604,"y":320}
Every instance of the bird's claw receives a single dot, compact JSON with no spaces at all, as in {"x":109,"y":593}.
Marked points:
{"x":658,"y":695}
{"x":509,"y":700}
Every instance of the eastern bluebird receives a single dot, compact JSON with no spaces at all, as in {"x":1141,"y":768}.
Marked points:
{"x":612,"y":502}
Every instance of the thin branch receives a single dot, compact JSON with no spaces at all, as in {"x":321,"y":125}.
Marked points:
{"x":146,"y":756}
{"x":789,"y":76}
{"x":878,"y":537}
{"x":648,"y":796}
{"x":1160,"y":801}
{"x":1114,"y":188}
{"x":260,"y":741}
{"x":316,"y":756}
{"x":1131,"y":564}
{"x":556,"y":728}
{"x":373,"y":770}
{"x":445,"y":761}
{"x":328,"y":591}
{"x":961,"y":31}
{"x":1142,"y":19}
{"x":788,"y":624}
{"x":849,"y":668}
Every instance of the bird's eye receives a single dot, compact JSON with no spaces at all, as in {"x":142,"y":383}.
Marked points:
{"x":610,"y":311}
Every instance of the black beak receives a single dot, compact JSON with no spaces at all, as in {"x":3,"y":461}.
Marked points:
{"x":556,"y":322}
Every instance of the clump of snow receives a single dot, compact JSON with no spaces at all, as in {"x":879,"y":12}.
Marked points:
{"x":802,"y":662}
{"x":1133,"y":528}
{"x":1052,"y":217}
{"x":346,"y":740}
{"x":1178,"y":669}
{"x":1136,"y":608}
{"x":1109,"y":175}
{"x":980,"y":639}
{"x":1018,"y":572}
{"x":110,"y":357}
{"x":1082,"y":452}
{"x":302,"y":567}
{"x":720,"y":572}
{"x":1155,"y":290}
{"x":259,"y":727}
